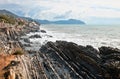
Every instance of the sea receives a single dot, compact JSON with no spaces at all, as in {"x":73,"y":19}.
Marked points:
{"x":94,"y":35}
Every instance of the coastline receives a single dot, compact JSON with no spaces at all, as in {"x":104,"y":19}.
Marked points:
{"x":62,"y":59}
{"x":96,"y":36}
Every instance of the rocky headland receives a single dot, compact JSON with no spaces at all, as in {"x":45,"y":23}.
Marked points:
{"x":54,"y":60}
{"x":67,"y":60}
{"x":12,"y":54}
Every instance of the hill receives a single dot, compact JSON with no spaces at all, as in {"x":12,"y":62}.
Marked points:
{"x":69,"y":21}
{"x":6,"y":12}
{"x":9,"y":17}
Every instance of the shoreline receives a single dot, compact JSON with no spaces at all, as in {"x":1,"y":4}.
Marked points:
{"x":70,"y":57}
{"x":95,"y":36}
{"x":62,"y":59}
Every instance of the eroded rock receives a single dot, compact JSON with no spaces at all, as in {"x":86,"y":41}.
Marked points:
{"x":43,"y":31}
{"x":84,"y":62}
{"x":35,"y":36}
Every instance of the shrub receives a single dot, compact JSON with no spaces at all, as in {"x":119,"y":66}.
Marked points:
{"x":7,"y":19}
{"x":18,"y":51}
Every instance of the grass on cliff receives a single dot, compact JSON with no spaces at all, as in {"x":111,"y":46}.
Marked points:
{"x":18,"y":51}
{"x":7,"y":19}
{"x":11,"y":20}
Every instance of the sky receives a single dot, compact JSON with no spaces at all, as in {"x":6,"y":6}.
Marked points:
{"x":89,"y":11}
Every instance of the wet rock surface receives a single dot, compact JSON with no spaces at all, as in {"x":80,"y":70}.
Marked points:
{"x":67,"y":60}
{"x":43,"y":31}
{"x":35,"y":36}
{"x":27,"y":40}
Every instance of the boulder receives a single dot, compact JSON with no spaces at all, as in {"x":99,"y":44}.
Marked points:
{"x":27,"y":40}
{"x":35,"y":36}
{"x":49,"y":36}
{"x":43,"y":31}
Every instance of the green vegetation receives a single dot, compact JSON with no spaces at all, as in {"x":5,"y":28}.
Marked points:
{"x":11,"y":20}
{"x":18,"y":52}
{"x":20,"y":23}
{"x":7,"y":19}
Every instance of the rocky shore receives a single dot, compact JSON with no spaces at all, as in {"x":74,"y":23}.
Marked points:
{"x":54,"y":60}
{"x":71,"y":61}
{"x":21,"y":58}
{"x":12,"y":54}
{"x":67,"y":60}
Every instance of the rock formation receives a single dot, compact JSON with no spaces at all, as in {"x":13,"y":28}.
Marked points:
{"x":58,"y":60}
{"x":67,"y":60}
{"x":13,"y":66}
{"x":35,"y":36}
{"x":54,"y":60}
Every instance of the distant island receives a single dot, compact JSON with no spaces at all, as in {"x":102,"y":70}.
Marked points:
{"x":69,"y":21}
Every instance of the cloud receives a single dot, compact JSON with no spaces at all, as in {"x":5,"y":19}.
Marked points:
{"x":82,"y":8}
{"x":63,"y":16}
{"x":63,"y":9}
{"x":108,"y":21}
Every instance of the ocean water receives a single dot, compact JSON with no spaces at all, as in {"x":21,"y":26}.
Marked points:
{"x":95,"y":35}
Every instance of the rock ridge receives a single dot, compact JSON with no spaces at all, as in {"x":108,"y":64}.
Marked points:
{"x":84,"y":62}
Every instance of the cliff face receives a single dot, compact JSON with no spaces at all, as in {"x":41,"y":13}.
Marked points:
{"x":12,"y":66}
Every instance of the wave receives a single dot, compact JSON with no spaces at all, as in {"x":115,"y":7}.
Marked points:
{"x":80,"y":35}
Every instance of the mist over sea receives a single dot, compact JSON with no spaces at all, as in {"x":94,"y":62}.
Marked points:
{"x":95,"y":35}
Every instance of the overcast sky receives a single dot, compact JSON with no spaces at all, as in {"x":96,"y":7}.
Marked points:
{"x":90,"y":11}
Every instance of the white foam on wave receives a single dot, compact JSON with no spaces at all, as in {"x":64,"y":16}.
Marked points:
{"x":96,"y":38}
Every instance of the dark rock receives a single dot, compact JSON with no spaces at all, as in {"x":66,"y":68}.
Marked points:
{"x":27,"y":45}
{"x":76,"y":58}
{"x":108,"y":50}
{"x":34,"y":30}
{"x":27,"y":40}
{"x":110,"y":61}
{"x":88,"y":62}
{"x":35,"y":36}
{"x":43,"y":31}
{"x":90,"y":51}
{"x":49,"y":36}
